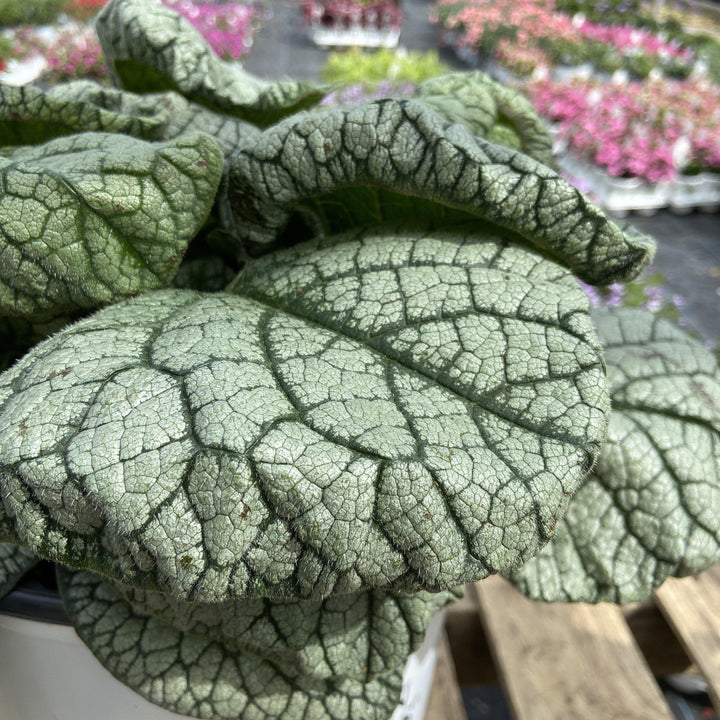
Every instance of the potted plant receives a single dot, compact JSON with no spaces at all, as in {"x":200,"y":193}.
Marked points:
{"x":636,"y":144}
{"x":319,"y":367}
{"x":354,"y":23}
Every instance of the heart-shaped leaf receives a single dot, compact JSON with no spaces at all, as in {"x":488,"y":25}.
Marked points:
{"x":651,"y":507}
{"x":361,"y":635}
{"x":88,"y":219}
{"x":193,"y":675}
{"x":362,"y":414}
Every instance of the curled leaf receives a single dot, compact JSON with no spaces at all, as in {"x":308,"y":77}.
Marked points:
{"x":30,"y":115}
{"x":361,"y":414}
{"x":322,"y":161}
{"x":193,"y":675}
{"x":151,"y":48}
{"x":651,"y":507}
{"x":490,"y":110}
{"x":88,"y":219}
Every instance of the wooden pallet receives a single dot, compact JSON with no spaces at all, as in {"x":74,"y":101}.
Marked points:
{"x":576,"y":661}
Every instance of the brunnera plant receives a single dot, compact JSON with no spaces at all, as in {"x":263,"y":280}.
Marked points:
{"x":279,"y":378}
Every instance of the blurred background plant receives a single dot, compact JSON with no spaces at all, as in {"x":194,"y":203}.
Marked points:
{"x":5,"y":51}
{"x":507,"y":29}
{"x":655,"y":129}
{"x":70,"y":48}
{"x":399,"y":66}
{"x":367,"y":13}
{"x":648,"y":292}
{"x":371,"y":75}
{"x":29,"y":12}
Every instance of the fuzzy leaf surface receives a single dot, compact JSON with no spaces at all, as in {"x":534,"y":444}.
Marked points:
{"x":193,"y":675}
{"x":30,"y":115}
{"x":360,"y":635}
{"x":399,"y":161}
{"x":88,"y":219}
{"x":362,"y":414}
{"x":488,"y":109}
{"x":651,"y":507}
{"x":151,"y":48}
{"x":14,"y":563}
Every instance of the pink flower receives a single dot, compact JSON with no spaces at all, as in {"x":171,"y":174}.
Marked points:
{"x":634,"y":130}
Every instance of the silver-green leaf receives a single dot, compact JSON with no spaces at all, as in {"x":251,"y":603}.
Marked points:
{"x":30,"y":115}
{"x":14,"y":563}
{"x":88,"y":219}
{"x":651,"y":507}
{"x":490,"y":110}
{"x":151,"y":48}
{"x":361,"y":635}
{"x":319,"y":162}
{"x":194,"y":675}
{"x":393,"y":410}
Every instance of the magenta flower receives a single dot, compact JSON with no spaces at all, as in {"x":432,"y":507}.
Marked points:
{"x":652,"y":129}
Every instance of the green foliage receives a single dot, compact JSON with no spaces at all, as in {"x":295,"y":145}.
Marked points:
{"x":89,"y":219}
{"x":490,"y":110}
{"x":651,"y":501}
{"x":151,"y":48}
{"x":708,"y":50}
{"x":360,"y":67}
{"x":14,"y":563}
{"x":608,"y":12}
{"x":34,"y":12}
{"x":332,"y":363}
{"x":5,"y":50}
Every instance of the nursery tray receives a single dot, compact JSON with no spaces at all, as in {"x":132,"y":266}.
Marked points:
{"x":623,"y":195}
{"x":556,"y":661}
{"x":353,"y":36}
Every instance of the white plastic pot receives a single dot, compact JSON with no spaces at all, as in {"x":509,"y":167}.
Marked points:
{"x":46,"y":672}
{"x":354,"y":36}
{"x":693,"y":191}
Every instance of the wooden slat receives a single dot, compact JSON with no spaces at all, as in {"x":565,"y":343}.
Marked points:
{"x":691,"y":607}
{"x":474,"y":665}
{"x":567,"y":662}
{"x":657,"y":642}
{"x":445,"y":701}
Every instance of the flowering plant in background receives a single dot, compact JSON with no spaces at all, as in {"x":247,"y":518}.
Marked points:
{"x":507,"y":30}
{"x":647,"y":293}
{"x":228,"y":27}
{"x":652,"y":129}
{"x":71,"y":50}
{"x":359,"y":93}
{"x":76,"y":54}
{"x":357,"y":66}
{"x":616,"y":12}
{"x":520,"y":57}
{"x":345,"y":13}
{"x":83,"y":9}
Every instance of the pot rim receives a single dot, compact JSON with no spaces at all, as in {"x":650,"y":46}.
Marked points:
{"x":30,"y":600}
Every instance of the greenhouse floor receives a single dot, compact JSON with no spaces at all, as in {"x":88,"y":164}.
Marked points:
{"x":689,"y":245}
